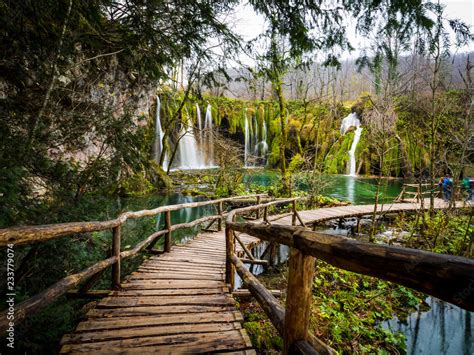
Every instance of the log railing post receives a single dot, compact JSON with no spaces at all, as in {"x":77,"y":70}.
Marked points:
{"x":257,"y":213}
{"x":116,"y":252}
{"x":167,"y":246}
{"x":229,"y":251}
{"x":299,"y":298}
{"x":219,"y":212}
{"x":265,"y":214}
{"x":293,"y":217}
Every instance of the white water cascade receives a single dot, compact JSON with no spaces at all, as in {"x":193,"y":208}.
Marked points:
{"x":158,"y":144}
{"x":199,"y":121}
{"x":256,"y":145}
{"x":196,"y":151}
{"x":189,"y":155}
{"x":352,"y":120}
{"x":210,"y":137}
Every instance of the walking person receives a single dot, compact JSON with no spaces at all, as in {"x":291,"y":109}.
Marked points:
{"x":466,"y":187}
{"x":447,"y":188}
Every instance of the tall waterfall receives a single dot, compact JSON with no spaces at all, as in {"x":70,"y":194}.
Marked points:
{"x":255,"y":144}
{"x":210,"y":136}
{"x":197,"y":151}
{"x":158,"y":143}
{"x":199,"y":121}
{"x":246,"y":139}
{"x":352,"y":120}
{"x":190,"y":156}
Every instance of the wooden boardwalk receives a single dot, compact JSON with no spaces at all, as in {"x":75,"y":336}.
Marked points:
{"x":178,"y":302}
{"x":325,"y":214}
{"x":175,"y":303}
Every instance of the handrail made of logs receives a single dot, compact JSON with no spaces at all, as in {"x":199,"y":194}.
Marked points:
{"x":440,"y":275}
{"x":418,"y":194}
{"x":447,"y":277}
{"x":31,"y":234}
{"x":292,"y":322}
{"x":230,"y":238}
{"x":90,"y":275}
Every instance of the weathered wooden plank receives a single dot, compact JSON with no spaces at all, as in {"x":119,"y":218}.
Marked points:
{"x":171,"y":284}
{"x":154,"y":310}
{"x":167,"y":292}
{"x":149,"y":330}
{"x":199,"y":343}
{"x":173,"y":276}
{"x":212,"y":300}
{"x":180,"y":271}
{"x":131,"y":322}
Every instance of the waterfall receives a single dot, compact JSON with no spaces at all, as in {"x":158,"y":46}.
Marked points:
{"x":246,"y":138}
{"x":189,"y":154}
{"x":255,"y":144}
{"x":263,"y":145}
{"x":210,"y":136}
{"x":158,"y":143}
{"x":197,"y":152}
{"x":352,"y":120}
{"x":199,"y":121}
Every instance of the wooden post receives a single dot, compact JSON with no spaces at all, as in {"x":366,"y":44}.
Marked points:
{"x":265,"y":214}
{"x":257,"y":213}
{"x":293,"y":217}
{"x":229,"y":252}
{"x":116,"y":252}
{"x":358,"y":225}
{"x":219,"y":212}
{"x":167,"y":247}
{"x":298,"y":301}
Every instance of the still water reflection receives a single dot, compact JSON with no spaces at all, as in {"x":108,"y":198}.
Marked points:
{"x":443,"y":329}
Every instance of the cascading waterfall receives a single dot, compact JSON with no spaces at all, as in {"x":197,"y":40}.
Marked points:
{"x":199,"y":121}
{"x":158,"y":144}
{"x":263,"y":145}
{"x":189,"y":155}
{"x":255,"y":144}
{"x":352,"y":120}
{"x":197,"y":151}
{"x":246,"y":139}
{"x":210,"y":136}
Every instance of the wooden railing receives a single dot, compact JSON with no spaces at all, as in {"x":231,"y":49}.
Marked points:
{"x":447,"y":277}
{"x":417,"y":192}
{"x":88,"y":277}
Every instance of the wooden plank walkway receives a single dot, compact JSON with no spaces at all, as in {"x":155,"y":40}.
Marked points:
{"x":325,"y":214}
{"x":178,"y":302}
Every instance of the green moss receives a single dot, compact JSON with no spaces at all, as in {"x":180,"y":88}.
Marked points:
{"x":261,"y":336}
{"x":135,"y":185}
{"x":338,"y":157}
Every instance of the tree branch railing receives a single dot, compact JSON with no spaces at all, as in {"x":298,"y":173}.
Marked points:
{"x":36,"y":234}
{"x":450,"y":278}
{"x":419,"y":192}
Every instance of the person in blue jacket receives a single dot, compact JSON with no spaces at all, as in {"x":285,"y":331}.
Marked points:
{"x":447,"y":187}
